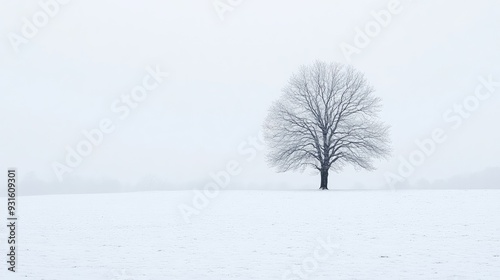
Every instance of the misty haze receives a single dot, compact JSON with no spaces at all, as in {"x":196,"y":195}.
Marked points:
{"x":226,"y":139}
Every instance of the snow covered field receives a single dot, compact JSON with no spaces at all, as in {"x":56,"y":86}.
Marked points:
{"x":260,"y":235}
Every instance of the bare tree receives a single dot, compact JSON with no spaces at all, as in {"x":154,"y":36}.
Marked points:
{"x":327,"y":118}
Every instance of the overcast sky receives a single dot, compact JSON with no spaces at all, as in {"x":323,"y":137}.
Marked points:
{"x":225,"y":74}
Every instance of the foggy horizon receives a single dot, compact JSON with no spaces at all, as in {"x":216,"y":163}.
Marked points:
{"x":224,"y":74}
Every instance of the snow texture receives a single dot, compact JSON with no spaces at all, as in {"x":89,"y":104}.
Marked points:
{"x":260,"y":235}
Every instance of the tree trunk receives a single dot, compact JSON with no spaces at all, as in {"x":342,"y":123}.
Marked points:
{"x":324,"y":180}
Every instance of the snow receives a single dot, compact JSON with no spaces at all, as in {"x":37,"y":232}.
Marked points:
{"x":260,"y":235}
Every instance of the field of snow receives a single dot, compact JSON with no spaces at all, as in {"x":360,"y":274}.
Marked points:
{"x":260,"y":235}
